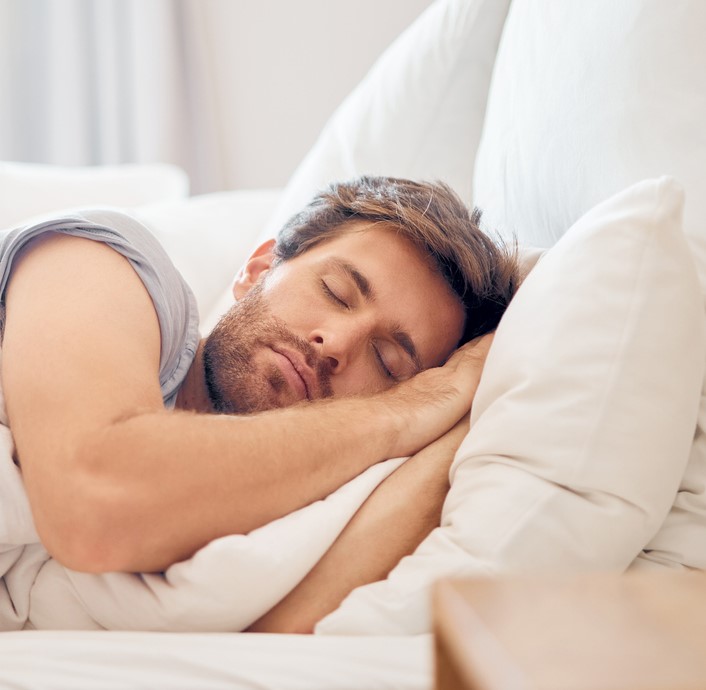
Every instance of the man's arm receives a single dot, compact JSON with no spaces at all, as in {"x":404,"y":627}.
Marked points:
{"x":397,"y":516}
{"x":116,"y":482}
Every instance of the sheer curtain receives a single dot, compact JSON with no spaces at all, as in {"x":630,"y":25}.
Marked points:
{"x":109,"y":81}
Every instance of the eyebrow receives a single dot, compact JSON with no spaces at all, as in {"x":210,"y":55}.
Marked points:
{"x":402,"y":338}
{"x":366,"y":289}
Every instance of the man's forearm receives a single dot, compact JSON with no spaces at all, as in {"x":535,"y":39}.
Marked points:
{"x":390,"y":525}
{"x":185,"y":479}
{"x":159,"y":486}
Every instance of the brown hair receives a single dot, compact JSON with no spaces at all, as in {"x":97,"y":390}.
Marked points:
{"x":483,"y":272}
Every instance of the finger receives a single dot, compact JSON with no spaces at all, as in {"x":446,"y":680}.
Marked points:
{"x":473,"y":350}
{"x":482,"y":342}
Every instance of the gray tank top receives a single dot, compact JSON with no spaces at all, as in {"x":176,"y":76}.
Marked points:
{"x":173,"y":300}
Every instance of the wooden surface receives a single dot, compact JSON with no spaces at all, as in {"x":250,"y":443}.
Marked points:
{"x":643,"y":631}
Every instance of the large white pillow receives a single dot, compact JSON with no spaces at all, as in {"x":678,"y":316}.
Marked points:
{"x":29,"y":189}
{"x":419,"y":111}
{"x":587,"y":98}
{"x":584,"y":417}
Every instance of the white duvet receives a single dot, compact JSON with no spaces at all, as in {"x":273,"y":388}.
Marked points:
{"x":225,"y":586}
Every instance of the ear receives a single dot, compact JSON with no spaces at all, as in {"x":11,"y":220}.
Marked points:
{"x":256,"y":266}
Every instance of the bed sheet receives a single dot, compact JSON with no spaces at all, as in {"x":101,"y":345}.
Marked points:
{"x":70,"y":660}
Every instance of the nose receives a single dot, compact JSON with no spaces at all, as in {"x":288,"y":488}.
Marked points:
{"x":332,"y":361}
{"x":339,"y":343}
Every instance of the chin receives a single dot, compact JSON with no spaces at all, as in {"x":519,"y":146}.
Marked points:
{"x":248,"y":400}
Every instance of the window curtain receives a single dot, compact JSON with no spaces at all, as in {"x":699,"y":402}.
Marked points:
{"x":86,"y":82}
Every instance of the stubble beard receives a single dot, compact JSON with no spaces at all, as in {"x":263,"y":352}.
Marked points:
{"x":234,"y":383}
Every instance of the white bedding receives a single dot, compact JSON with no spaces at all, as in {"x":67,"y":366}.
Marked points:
{"x":247,"y":661}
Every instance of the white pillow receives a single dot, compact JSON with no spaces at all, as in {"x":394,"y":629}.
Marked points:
{"x":226,"y":585}
{"x":28,"y":189}
{"x":419,"y":111}
{"x":583,"y":420}
{"x":209,"y":237}
{"x":587,"y":98}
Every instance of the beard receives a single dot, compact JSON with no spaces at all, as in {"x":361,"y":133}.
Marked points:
{"x":236,"y":382}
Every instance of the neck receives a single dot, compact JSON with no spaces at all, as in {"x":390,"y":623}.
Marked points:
{"x":193,"y":394}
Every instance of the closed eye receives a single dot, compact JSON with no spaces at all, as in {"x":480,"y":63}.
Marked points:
{"x":383,"y":367}
{"x":333,"y":296}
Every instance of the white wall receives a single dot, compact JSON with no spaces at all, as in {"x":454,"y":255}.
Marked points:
{"x":234,"y":91}
{"x":283,"y":67}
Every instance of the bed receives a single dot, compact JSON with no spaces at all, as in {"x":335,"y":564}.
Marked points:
{"x":574,"y":126}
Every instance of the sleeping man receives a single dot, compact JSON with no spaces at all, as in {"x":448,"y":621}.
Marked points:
{"x":139,"y":442}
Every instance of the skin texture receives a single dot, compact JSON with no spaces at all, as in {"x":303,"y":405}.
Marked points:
{"x":116,"y":482}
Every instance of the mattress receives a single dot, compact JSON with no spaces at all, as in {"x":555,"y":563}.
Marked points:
{"x":179,"y":661}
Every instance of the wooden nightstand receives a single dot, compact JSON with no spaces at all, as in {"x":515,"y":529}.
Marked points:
{"x":643,"y":631}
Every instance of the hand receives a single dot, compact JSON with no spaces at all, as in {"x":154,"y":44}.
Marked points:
{"x":431,"y":403}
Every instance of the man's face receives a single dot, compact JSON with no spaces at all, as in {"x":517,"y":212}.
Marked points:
{"x":352,"y":315}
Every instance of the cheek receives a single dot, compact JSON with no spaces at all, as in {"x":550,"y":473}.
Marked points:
{"x":299,"y":307}
{"x":359,"y":378}
{"x":284,"y":304}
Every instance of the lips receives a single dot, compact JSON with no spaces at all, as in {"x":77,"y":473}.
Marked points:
{"x":296,"y":371}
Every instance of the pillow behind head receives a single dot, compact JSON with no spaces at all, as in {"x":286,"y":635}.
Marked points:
{"x":583,"y":420}
{"x":419,"y":111}
{"x":586,"y":99}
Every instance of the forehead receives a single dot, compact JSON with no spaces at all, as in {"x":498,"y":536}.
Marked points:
{"x":408,"y":289}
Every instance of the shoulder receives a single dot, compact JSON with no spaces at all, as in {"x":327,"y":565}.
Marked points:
{"x":80,"y":328}
{"x":172,"y":299}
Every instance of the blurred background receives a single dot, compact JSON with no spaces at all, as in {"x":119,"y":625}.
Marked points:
{"x":233,"y":91}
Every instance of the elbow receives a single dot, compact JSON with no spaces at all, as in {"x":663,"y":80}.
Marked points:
{"x":83,"y":556}
{"x":87,"y":539}
{"x":94,"y":512}
{"x":105,"y":533}
{"x":86,"y":524}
